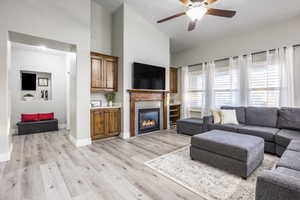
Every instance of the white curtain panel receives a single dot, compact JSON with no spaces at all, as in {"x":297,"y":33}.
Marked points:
{"x":235,"y":73}
{"x":210,"y":97}
{"x":286,"y":62}
{"x":184,"y":90}
{"x":204,"y":111}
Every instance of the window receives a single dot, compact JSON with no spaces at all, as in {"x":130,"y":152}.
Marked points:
{"x":196,"y":88}
{"x":226,"y":83}
{"x":264,"y":83}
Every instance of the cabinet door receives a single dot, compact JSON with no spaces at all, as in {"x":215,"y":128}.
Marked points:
{"x":112,"y":122}
{"x":110,"y":66}
{"x":173,"y":80}
{"x":98,"y":124}
{"x":97,"y":77}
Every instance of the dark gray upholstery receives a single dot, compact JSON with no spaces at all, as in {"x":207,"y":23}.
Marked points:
{"x":225,"y":127}
{"x":262,"y":116}
{"x":270,"y":147}
{"x":240,"y":113}
{"x":190,"y":126}
{"x":279,"y":184}
{"x":226,"y":143}
{"x":285,"y":136}
{"x":235,"y":153}
{"x":267,"y":133}
{"x":37,"y":126}
{"x":289,"y":118}
{"x":280,"y":150}
{"x":290,"y":159}
{"x":294,"y":145}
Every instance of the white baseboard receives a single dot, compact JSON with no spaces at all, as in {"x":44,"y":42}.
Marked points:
{"x":80,"y":142}
{"x":6,"y":156}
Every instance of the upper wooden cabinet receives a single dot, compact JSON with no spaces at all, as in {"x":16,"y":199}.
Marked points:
{"x":104,"y":72}
{"x":173,"y":80}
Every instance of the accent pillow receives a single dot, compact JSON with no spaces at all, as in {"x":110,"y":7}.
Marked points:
{"x":29,"y":117}
{"x":228,"y":117}
{"x":217,"y":116}
{"x":46,"y":116}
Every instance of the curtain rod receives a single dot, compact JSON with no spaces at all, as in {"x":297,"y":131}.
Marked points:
{"x":255,"y":53}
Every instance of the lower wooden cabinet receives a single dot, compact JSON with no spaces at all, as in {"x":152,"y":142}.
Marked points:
{"x":105,"y":123}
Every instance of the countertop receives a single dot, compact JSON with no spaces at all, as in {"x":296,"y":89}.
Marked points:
{"x":116,"y":105}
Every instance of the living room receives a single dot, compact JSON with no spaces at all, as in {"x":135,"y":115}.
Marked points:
{"x":200,"y":105}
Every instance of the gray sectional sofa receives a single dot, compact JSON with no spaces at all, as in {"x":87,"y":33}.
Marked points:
{"x":280,"y":129}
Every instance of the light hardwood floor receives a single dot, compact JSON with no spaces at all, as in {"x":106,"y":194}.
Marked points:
{"x":47,"y":166}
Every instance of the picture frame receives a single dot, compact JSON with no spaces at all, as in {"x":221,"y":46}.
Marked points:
{"x":43,"y":82}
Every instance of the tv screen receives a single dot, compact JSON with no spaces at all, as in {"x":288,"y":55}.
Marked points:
{"x":148,"y":77}
{"x":28,"y":81}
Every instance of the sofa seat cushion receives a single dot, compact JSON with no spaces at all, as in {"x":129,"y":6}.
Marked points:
{"x":290,"y":159}
{"x":233,"y":145}
{"x":240,"y":113}
{"x":284,"y":137}
{"x":288,"y":172}
{"x":262,"y":116}
{"x":225,"y":127}
{"x":294,"y":145}
{"x":267,"y":133}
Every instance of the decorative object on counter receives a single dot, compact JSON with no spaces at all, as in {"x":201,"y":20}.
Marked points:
{"x":46,"y":95}
{"x":42,"y":94}
{"x":110,"y":97}
{"x":28,"y":97}
{"x":96,"y":103}
{"x":43,"y":82}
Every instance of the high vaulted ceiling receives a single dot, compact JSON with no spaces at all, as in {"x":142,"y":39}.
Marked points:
{"x":251,"y":15}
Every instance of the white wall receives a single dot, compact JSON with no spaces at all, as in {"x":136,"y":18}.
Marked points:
{"x":142,"y":42}
{"x":101,"y":29}
{"x":67,"y":21}
{"x":273,"y":36}
{"x":26,"y":58}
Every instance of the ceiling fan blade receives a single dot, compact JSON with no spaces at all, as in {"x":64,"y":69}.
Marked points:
{"x":206,"y":2}
{"x":192,"y":25}
{"x":185,"y":2}
{"x":171,"y":17}
{"x":221,"y":13}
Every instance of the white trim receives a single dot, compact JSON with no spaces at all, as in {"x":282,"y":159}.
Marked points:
{"x":6,"y":156}
{"x":80,"y":142}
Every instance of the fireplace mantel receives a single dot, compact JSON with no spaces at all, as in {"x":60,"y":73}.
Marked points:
{"x":147,"y":95}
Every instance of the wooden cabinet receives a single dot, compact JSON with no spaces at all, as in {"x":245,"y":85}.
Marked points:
{"x":174,"y":114}
{"x":105,"y":123}
{"x":173,"y":80}
{"x":104,"y":73}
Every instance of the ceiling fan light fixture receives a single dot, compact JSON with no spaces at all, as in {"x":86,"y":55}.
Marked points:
{"x":196,"y":13}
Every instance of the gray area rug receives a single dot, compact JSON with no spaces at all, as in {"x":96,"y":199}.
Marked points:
{"x":210,"y":183}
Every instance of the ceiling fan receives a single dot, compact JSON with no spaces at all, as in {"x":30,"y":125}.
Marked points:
{"x":197,"y":9}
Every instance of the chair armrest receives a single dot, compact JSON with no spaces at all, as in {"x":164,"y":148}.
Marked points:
{"x":272,"y":185}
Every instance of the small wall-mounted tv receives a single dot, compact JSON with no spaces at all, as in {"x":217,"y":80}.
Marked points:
{"x":148,"y":77}
{"x":28,"y":81}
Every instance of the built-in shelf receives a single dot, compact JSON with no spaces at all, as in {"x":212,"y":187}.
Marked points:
{"x":174,"y":114}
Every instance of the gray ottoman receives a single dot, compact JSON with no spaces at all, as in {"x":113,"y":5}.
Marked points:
{"x":233,"y":152}
{"x":190,"y":126}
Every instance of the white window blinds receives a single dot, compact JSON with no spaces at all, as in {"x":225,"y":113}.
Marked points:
{"x":196,"y":89}
{"x":226,"y":83}
{"x":264,"y":80}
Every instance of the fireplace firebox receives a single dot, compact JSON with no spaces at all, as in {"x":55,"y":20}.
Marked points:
{"x":149,"y":120}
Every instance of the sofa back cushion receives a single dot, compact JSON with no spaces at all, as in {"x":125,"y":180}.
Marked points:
{"x":262,"y":116}
{"x":29,"y":117}
{"x":240,"y":113}
{"x":46,"y":116}
{"x":289,"y":118}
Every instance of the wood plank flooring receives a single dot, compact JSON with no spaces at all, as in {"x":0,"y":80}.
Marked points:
{"x":47,"y":166}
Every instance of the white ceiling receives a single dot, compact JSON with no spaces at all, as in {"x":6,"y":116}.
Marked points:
{"x":251,"y":14}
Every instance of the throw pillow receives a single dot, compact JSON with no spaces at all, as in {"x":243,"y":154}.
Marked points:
{"x":29,"y":117}
{"x":217,"y":116}
{"x":228,"y":117}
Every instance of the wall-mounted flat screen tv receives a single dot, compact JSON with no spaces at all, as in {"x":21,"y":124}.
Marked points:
{"x":28,"y":81}
{"x":148,"y":77}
